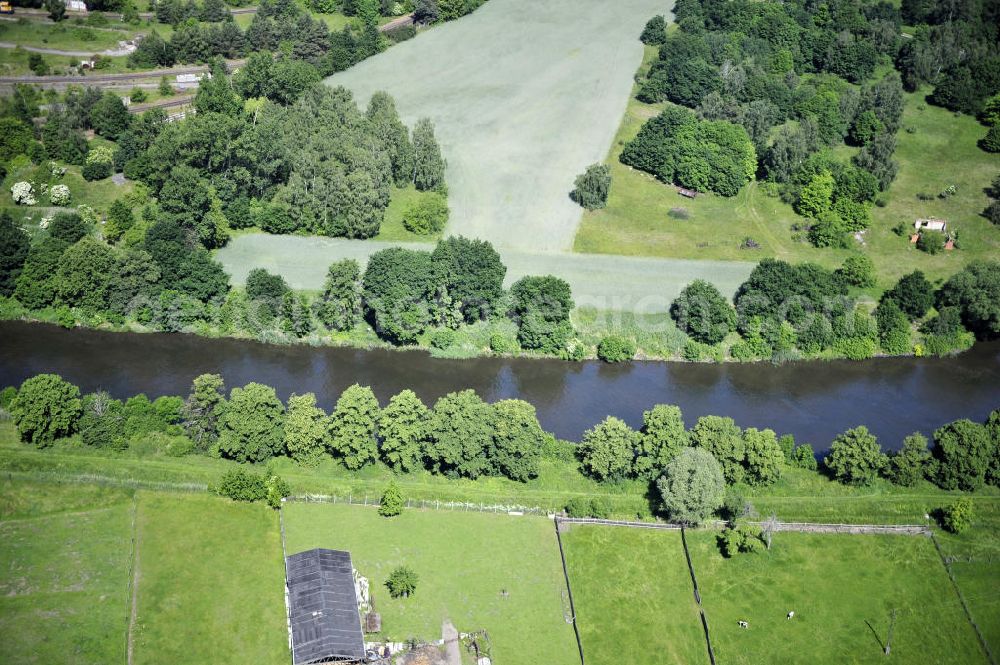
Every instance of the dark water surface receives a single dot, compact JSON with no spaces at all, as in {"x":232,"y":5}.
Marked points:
{"x":812,"y":400}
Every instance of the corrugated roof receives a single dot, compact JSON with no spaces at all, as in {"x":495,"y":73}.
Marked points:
{"x":323,"y":607}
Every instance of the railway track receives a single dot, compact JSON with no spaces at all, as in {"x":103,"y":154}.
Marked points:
{"x":108,"y":80}
{"x":42,"y":15}
{"x":172,"y":102}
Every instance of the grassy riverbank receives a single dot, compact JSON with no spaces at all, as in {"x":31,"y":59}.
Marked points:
{"x":799,"y":495}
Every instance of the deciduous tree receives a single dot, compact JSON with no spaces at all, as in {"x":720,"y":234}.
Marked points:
{"x":518,"y":438}
{"x":403,"y":426}
{"x":963,"y":450}
{"x":724,"y":439}
{"x":856,"y":457}
{"x":764,"y":458}
{"x":661,"y":439}
{"x":608,"y":450}
{"x":692,"y":487}
{"x":305,"y":430}
{"x":352,"y":427}
{"x":459,"y":435}
{"x":703,"y":313}
{"x":46,"y":407}
{"x":252,"y":426}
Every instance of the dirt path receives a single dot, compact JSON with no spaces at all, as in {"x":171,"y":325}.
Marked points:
{"x":451,"y":649}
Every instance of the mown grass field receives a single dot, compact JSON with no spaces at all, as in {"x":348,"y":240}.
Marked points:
{"x":210,"y":582}
{"x":842,"y":589}
{"x":63,"y":573}
{"x":606,"y":283}
{"x":524,"y":95}
{"x":935,"y":149}
{"x":464,"y":561}
{"x":633,"y":596}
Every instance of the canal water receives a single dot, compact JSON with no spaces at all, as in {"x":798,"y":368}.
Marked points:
{"x":812,"y":400}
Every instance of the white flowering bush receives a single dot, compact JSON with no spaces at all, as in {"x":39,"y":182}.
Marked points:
{"x":23,"y":193}
{"x":87,"y":214}
{"x":59,"y":195}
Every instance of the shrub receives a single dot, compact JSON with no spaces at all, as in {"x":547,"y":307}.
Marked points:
{"x":442,"y":339}
{"x":277,"y":489}
{"x":99,"y":163}
{"x":391,"y":503}
{"x":958,"y":516}
{"x":856,"y":348}
{"x":931,"y":242}
{"x":581,"y":506}
{"x":592,"y":186}
{"x":137,"y":95}
{"x":991,"y":142}
{"x":37,"y":64}
{"x":23,"y":194}
{"x":615,"y":349}
{"x":501,"y":345}
{"x":696,"y":351}
{"x":7,"y":396}
{"x":740,"y":537}
{"x":402,"y":582}
{"x":161,"y":443}
{"x":787,"y":444}
{"x":743,"y":351}
{"x":858,"y":270}
{"x":804,"y":457}
{"x":241,"y":485}
{"x":59,"y":195}
{"x":426,"y":216}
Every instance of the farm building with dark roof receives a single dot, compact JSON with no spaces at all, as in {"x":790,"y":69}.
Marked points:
{"x":323,"y":616}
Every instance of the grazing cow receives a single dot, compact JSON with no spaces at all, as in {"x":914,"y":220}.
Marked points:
{"x":790,"y":615}
{"x":744,"y":624}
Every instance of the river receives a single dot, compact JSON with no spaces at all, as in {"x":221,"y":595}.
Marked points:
{"x":812,"y":400}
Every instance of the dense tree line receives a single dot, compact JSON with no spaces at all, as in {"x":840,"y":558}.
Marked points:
{"x":783,"y":310}
{"x":268,"y":147}
{"x":208,"y":31}
{"x":159,"y":274}
{"x":792,"y":80}
{"x":273,"y":149}
{"x":462,"y":436}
